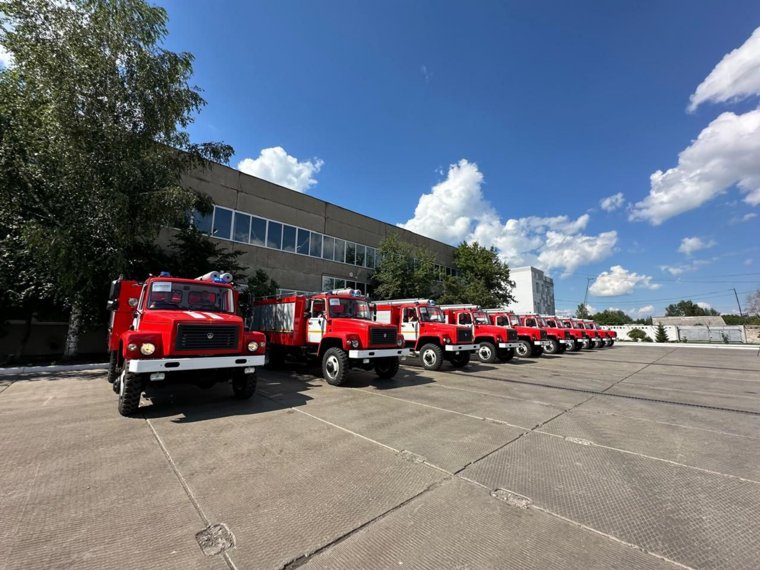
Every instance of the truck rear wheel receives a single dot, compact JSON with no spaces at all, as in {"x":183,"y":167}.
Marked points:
{"x":537,"y":351}
{"x":460,"y":360}
{"x":130,"y":390}
{"x":562,"y":348}
{"x":113,"y":367}
{"x":431,"y":356}
{"x":553,"y":347}
{"x":577,"y":345}
{"x":487,"y":352}
{"x":524,"y":349}
{"x":507,"y":354}
{"x":335,"y":366}
{"x":243,"y":385}
{"x":386,"y":368}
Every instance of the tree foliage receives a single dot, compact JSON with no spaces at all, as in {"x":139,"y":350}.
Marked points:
{"x":661,"y":334}
{"x":582,"y":312}
{"x":753,"y":303}
{"x":611,"y":317}
{"x":93,"y":140}
{"x":404,"y":271}
{"x":688,"y":308}
{"x":482,"y":278}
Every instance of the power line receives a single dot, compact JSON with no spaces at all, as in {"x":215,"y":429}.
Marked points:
{"x":705,"y":295}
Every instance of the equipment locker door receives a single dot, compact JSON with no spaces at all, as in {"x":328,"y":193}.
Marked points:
{"x":316,"y":324}
{"x":410,"y":324}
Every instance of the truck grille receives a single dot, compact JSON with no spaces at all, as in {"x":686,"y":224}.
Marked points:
{"x":464,"y":335}
{"x":379,"y":335}
{"x":567,"y":334}
{"x":202,"y":337}
{"x":511,"y":334}
{"x":543,"y":335}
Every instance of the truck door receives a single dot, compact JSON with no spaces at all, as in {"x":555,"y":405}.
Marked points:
{"x":410,"y":324}
{"x":316,"y":324}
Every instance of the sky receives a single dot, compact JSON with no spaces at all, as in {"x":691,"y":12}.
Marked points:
{"x":615,"y":145}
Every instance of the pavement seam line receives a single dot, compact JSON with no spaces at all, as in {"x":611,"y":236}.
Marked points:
{"x":652,"y":457}
{"x":186,"y":487}
{"x":302,"y":559}
{"x":539,"y":402}
{"x":671,"y":424}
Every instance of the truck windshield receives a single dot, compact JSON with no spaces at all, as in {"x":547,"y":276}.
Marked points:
{"x":568,"y":324}
{"x":480,"y":318}
{"x":465,"y":319}
{"x":346,"y":308}
{"x":432,"y":315}
{"x":176,"y":296}
{"x":514,"y":320}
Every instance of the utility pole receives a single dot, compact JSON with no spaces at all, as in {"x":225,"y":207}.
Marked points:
{"x":585,"y":296}
{"x":739,"y":304}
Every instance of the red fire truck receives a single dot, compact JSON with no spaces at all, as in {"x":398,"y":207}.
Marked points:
{"x":170,"y":329}
{"x":426,"y":332}
{"x":494,"y":342}
{"x":580,"y":334}
{"x":558,"y":338}
{"x":531,"y":340}
{"x":335,"y":327}
{"x":606,"y":336}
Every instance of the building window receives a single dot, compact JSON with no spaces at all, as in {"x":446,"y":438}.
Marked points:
{"x":222,"y":223}
{"x":289,"y":239}
{"x":328,"y":248}
{"x":274,"y":235}
{"x":303,"y":241}
{"x":202,"y":222}
{"x":242,"y":227}
{"x":360,"y":255}
{"x":350,"y":252}
{"x":340,"y":250}
{"x":371,"y":257}
{"x":258,"y":231}
{"x":315,"y":249}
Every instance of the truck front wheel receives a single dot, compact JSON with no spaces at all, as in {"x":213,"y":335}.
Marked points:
{"x":130,"y":390}
{"x":487,"y":352}
{"x":460,"y":360}
{"x":577,"y":345}
{"x":113,"y":367}
{"x":537,"y":351}
{"x":335,"y":366}
{"x":387,"y":368}
{"x":507,"y":354}
{"x":431,"y":356}
{"x":243,"y":385}
{"x":553,"y":347}
{"x":524,"y":349}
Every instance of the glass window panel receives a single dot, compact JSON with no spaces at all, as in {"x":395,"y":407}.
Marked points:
{"x":350,"y":284}
{"x":222,"y":223}
{"x":340,"y":250}
{"x":327,"y":283}
{"x":242,"y":227}
{"x":360,"y":254}
{"x":350,"y":252}
{"x":361,"y":287}
{"x":303,"y":241}
{"x":274,"y":235}
{"x":339,"y":284}
{"x":328,"y":248}
{"x":258,"y":231}
{"x":315,"y":249}
{"x":371,"y":257}
{"x":289,"y":239}
{"x":201,"y":222}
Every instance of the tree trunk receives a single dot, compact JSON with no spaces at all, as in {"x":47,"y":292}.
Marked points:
{"x":72,"y":335}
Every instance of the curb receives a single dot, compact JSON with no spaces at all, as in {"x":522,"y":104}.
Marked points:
{"x":753,"y":347}
{"x":54,"y":368}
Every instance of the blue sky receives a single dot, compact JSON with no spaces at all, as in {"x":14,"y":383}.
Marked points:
{"x":508,"y":123}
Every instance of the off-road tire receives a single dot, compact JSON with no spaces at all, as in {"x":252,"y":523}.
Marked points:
{"x":506,"y":354}
{"x":431,"y":356}
{"x":487,"y":352}
{"x":562,"y":348}
{"x":525,"y":349}
{"x":130,"y":390}
{"x":554,"y":347}
{"x":537,"y":351}
{"x":577,"y":345}
{"x":243,"y":385}
{"x":387,"y":368}
{"x":460,"y":360}
{"x":113,"y":367}
{"x":335,"y":366}
{"x":612,"y":342}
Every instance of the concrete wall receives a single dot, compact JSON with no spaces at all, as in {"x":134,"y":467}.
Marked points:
{"x":752,"y":333}
{"x":46,"y":339}
{"x":735,"y":334}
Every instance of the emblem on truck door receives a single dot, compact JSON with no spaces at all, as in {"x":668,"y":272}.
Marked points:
{"x":209,"y":335}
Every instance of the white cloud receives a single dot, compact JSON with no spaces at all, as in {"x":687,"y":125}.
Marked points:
{"x":455,"y":210}
{"x":704,"y":305}
{"x":276,"y":165}
{"x":748,"y":217}
{"x":6,"y":57}
{"x":691,"y":244}
{"x":619,"y":281}
{"x":693,"y":265}
{"x":612,"y":203}
{"x":646,"y":310}
{"x":725,"y":154}
{"x":736,"y":77}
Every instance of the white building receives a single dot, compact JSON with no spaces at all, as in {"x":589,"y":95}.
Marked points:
{"x":533,"y":292}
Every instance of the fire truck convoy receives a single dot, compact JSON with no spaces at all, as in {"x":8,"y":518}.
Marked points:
{"x":335,"y":327}
{"x":494,"y":342}
{"x":170,"y":329}
{"x":426,"y":332}
{"x":558,"y":338}
{"x":531,"y":339}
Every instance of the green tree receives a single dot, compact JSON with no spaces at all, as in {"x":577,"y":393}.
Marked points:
{"x":611,"y":317}
{"x":688,"y":308}
{"x":753,"y":303}
{"x":582,"y":312}
{"x":661,"y":335}
{"x":93,"y":140}
{"x":404,"y":271}
{"x":482,"y":278}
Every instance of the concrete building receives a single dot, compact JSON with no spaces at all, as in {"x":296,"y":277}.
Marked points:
{"x":534,"y":291}
{"x":303,"y":243}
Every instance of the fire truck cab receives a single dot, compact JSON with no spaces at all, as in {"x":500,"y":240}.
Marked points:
{"x":426,"y":332}
{"x":494,"y":342}
{"x":579,"y":333}
{"x":596,"y":336}
{"x":335,"y":327}
{"x":531,"y":339}
{"x":170,"y":329}
{"x":605,"y":336}
{"x":558,"y":339}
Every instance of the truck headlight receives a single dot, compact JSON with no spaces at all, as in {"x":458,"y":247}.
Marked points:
{"x":147,"y":348}
{"x":253,"y":346}
{"x":446,"y":339}
{"x":353,"y":343}
{"x":131,"y":347}
{"x":400,"y":341}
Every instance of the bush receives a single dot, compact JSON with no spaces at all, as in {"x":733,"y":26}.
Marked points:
{"x":647,"y":338}
{"x":637,"y":334}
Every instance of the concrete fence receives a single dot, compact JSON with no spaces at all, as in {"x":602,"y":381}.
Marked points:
{"x":725,"y":334}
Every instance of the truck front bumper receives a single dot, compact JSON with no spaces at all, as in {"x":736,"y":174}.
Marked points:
{"x":542,"y":343}
{"x":379,"y":353}
{"x":461,"y":347}
{"x":198,"y":363}
{"x":509,"y":344}
{"x":567,"y":341}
